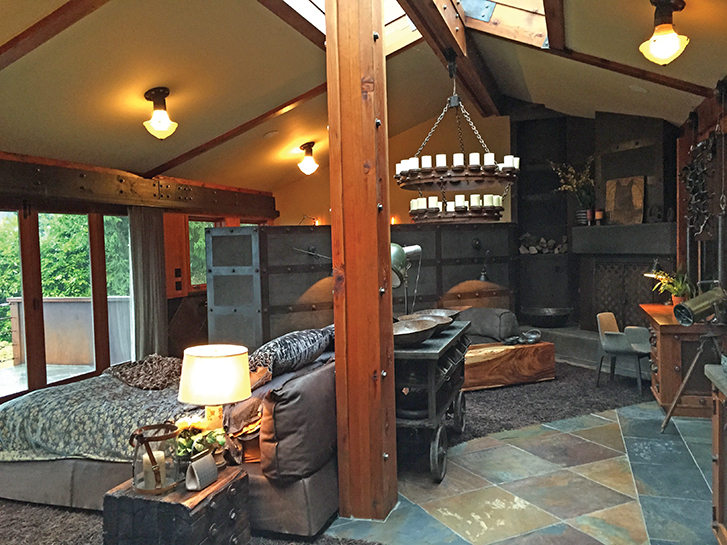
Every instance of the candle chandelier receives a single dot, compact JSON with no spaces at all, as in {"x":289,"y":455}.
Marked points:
{"x":481,"y":172}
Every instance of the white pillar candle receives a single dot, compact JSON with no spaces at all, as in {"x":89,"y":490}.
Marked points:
{"x":432,"y":202}
{"x":450,"y":206}
{"x":489,"y":159}
{"x":412,"y":205}
{"x":516,"y":162}
{"x":426,"y":161}
{"x":441,"y":159}
{"x":487,"y":200}
{"x":509,"y":160}
{"x":421,"y":203}
{"x":413,"y":162}
{"x":149,"y":479}
{"x":474,"y":158}
{"x":497,"y":199}
{"x":398,"y":168}
{"x":458,"y":159}
{"x":459,"y":200}
{"x":475,"y":200}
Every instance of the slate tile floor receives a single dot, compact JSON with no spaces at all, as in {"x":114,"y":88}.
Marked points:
{"x":609,"y":478}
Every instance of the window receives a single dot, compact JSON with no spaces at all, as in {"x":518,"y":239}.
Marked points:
{"x":118,"y":288}
{"x":13,"y":365}
{"x":197,"y":252}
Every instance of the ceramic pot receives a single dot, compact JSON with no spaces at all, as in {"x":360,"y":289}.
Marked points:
{"x":582,"y":217}
{"x":676,"y":300}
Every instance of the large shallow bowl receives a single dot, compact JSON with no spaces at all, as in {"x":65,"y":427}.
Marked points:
{"x":546,"y":316}
{"x":448,"y":312}
{"x":413,"y":332}
{"x":442,"y":321}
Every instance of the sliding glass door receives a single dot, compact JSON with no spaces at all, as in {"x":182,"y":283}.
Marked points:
{"x":13,"y":364}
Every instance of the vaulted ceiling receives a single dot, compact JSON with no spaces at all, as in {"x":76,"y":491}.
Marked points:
{"x":79,"y":95}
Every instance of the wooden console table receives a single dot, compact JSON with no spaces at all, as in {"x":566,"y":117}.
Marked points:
{"x":716,"y":374}
{"x":673,"y":348}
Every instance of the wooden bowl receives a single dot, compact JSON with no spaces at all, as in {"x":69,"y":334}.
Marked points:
{"x":413,"y":332}
{"x":443,"y":322}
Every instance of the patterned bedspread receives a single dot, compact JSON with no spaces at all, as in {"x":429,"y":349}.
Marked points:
{"x":92,"y":418}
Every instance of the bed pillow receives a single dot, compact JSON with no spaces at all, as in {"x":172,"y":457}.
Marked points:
{"x":154,"y":372}
{"x":291,"y":351}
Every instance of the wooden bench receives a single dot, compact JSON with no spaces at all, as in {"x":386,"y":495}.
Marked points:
{"x":493,"y":365}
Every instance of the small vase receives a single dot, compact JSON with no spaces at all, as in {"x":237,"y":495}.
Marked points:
{"x":582,"y":217}
{"x":676,"y":300}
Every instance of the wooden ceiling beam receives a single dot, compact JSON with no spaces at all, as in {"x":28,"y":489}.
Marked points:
{"x":555,"y":21}
{"x":45,"y":29}
{"x":442,"y":27}
{"x":237,"y":131}
{"x":605,"y":64}
{"x":296,"y":20}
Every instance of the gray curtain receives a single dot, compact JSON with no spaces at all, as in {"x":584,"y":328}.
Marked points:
{"x":146,"y":229}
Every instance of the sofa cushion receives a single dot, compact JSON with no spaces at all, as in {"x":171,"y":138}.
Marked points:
{"x":298,"y":429}
{"x":291,"y":351}
{"x":495,"y":323}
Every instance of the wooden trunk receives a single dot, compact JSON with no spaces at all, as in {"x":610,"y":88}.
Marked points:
{"x":492,"y":365}
{"x":217,"y":514}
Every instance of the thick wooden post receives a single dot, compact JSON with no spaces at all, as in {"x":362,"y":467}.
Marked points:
{"x":99,"y":294}
{"x":361,"y":257}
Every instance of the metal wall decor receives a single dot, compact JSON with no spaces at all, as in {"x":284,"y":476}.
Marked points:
{"x":482,"y":173}
{"x":695,"y":176}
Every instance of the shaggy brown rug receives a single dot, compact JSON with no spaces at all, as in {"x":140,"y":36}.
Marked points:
{"x":573,"y":393}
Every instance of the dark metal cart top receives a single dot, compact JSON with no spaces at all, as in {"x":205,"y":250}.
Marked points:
{"x":434,"y":347}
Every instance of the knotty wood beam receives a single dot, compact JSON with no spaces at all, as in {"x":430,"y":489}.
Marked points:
{"x":606,"y":64}
{"x":32,"y":297}
{"x":513,"y":24}
{"x":237,"y":131}
{"x":99,"y":299}
{"x":45,"y":29}
{"x":555,"y":20}
{"x":296,"y":20}
{"x":444,"y":31}
{"x":361,"y":258}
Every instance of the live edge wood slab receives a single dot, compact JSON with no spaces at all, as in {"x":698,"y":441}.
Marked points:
{"x":493,"y":365}
{"x":216,"y":514}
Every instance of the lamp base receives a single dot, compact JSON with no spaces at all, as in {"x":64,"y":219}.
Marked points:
{"x":213,"y":417}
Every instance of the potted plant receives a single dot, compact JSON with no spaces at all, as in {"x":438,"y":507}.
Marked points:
{"x":678,"y":284}
{"x":579,"y":183}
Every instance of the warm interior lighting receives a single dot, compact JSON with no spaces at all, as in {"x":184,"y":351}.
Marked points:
{"x":665,"y":44}
{"x":308,"y":165}
{"x":159,"y":125}
{"x":393,"y":220}
{"x":213,"y":375}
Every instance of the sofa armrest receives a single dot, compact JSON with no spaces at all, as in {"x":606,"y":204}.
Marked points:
{"x":298,"y":430}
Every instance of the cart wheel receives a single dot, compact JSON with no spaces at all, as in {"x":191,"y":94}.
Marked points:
{"x":438,"y":454}
{"x":459,"y":409}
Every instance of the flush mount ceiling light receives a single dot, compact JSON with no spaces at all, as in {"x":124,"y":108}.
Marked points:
{"x":308,"y":165}
{"x":665,"y":44}
{"x":159,"y":125}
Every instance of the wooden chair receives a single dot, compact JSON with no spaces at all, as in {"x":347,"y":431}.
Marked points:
{"x":633,"y":344}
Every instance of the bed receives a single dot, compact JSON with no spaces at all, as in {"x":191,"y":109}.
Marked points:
{"x":66,"y":445}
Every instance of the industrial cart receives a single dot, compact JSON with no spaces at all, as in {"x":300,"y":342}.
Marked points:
{"x":428,"y":382}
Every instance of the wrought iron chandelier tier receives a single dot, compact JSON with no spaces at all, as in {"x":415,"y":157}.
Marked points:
{"x":482,"y":173}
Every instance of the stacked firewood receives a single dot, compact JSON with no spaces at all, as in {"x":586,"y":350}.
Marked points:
{"x":530,"y":244}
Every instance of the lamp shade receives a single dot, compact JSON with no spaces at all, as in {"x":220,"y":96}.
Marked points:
{"x":214,"y":374}
{"x":400,"y":261}
{"x":664,"y":46}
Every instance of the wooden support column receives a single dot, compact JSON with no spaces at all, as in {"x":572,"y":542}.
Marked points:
{"x":99,"y":295}
{"x":361,"y":258}
{"x":32,"y":298}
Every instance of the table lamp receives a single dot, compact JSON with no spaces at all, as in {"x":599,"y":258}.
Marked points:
{"x":213,"y":375}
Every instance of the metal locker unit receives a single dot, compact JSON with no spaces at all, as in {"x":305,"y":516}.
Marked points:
{"x":234,"y":297}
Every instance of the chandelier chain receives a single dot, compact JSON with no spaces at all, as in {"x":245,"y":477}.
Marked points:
{"x":459,"y":132}
{"x":474,"y":129}
{"x":431,"y":131}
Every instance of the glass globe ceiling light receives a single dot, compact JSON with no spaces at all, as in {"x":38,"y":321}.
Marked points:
{"x":308,"y":165}
{"x":159,"y":125}
{"x":665,"y":44}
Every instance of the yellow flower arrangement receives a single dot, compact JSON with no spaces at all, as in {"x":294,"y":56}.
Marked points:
{"x":581,"y":183}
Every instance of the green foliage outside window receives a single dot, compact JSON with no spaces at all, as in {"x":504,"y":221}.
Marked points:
{"x":197,"y":254}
